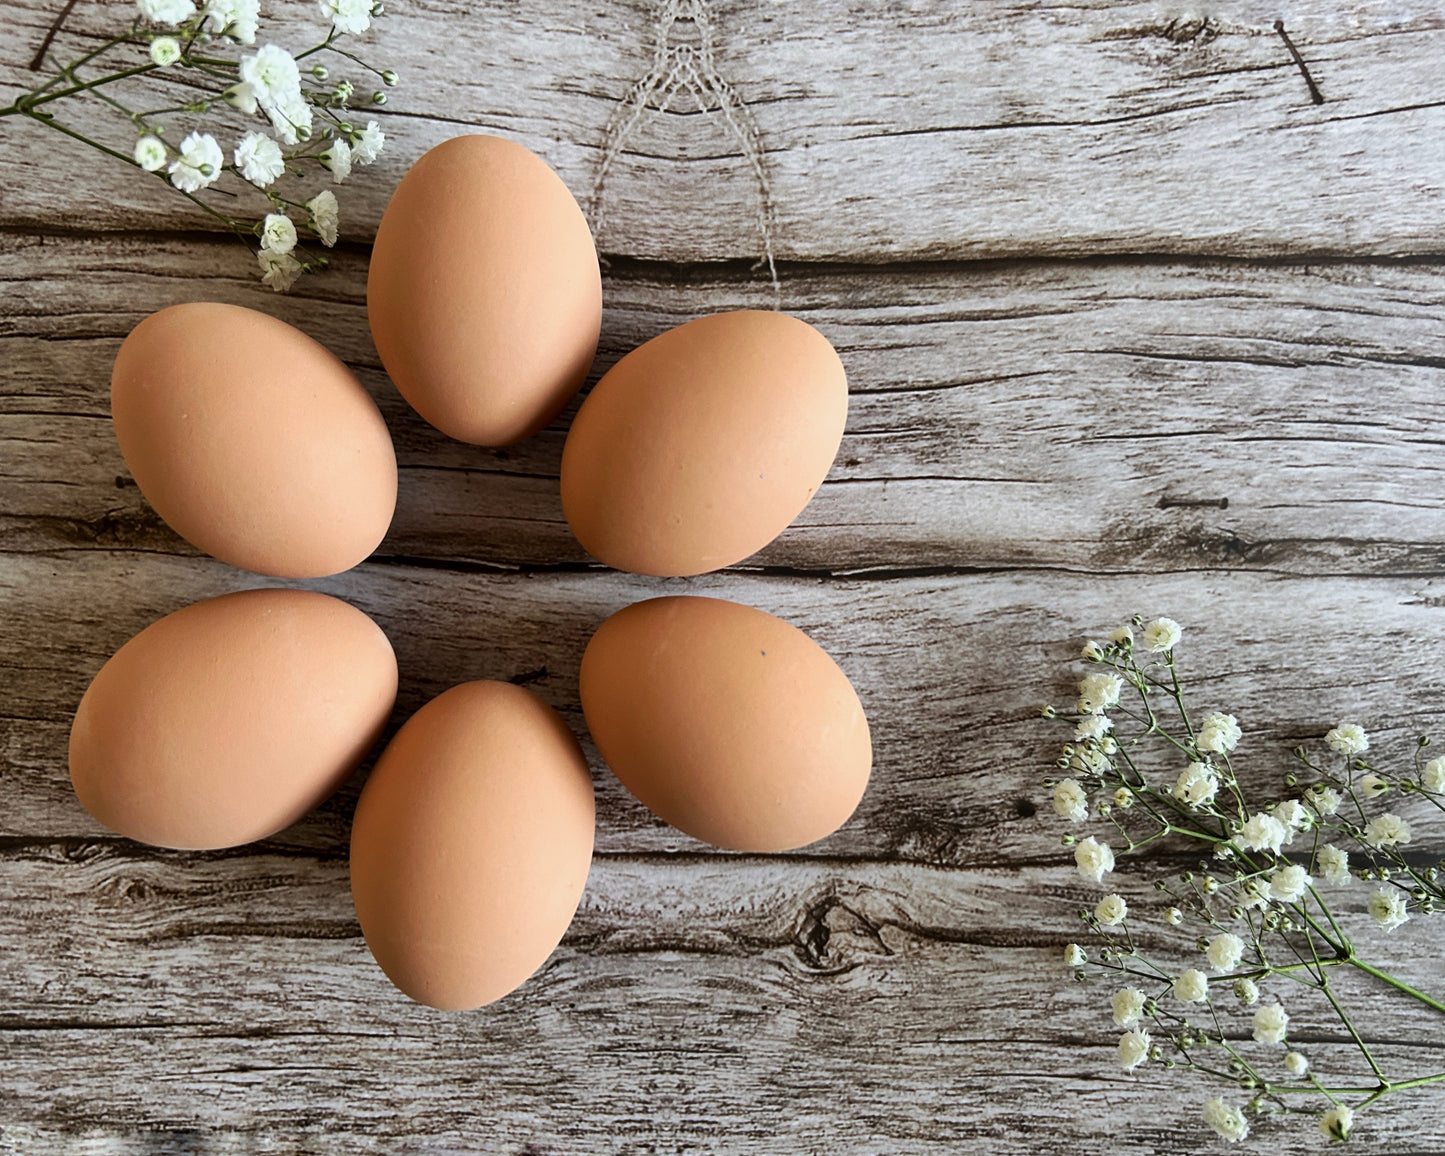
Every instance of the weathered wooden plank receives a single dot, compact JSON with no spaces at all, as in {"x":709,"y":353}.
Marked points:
{"x":951,"y":671}
{"x":752,"y":1004}
{"x":1092,"y":416}
{"x":864,"y":132}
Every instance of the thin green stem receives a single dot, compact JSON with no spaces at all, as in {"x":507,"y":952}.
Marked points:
{"x":1398,"y":985}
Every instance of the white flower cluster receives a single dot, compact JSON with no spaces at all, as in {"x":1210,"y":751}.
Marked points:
{"x":1261,"y":891}
{"x":267,"y":81}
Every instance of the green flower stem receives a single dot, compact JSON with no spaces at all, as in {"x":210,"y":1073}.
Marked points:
{"x":70,"y":69}
{"x":30,"y":102}
{"x":1398,"y":985}
{"x":1355,"y":1035}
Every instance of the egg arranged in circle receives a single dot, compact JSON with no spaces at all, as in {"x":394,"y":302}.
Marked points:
{"x":228,"y":720}
{"x":484,"y":292}
{"x":729,"y":723}
{"x":253,"y":442}
{"x":699,"y":448}
{"x":471,"y":844}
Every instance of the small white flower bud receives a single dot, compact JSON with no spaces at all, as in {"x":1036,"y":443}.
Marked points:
{"x":1174,"y":917}
{"x":1296,"y":1064}
{"x":1074,"y":956}
{"x":165,"y":51}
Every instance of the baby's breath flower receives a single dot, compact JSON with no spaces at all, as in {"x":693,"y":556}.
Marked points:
{"x":1432,"y":775}
{"x":1262,"y":832}
{"x":1270,"y":1024}
{"x":1219,"y":733}
{"x":1389,"y":908}
{"x":150,"y":153}
{"x":1133,"y":1049}
{"x":278,"y":233}
{"x":1387,"y":830}
{"x":1123,"y":637}
{"x":1094,"y":859}
{"x":1162,"y":634}
{"x":1246,"y":990}
{"x":1070,"y":801}
{"x":241,"y":96}
{"x":199,"y":164}
{"x":1372,"y":786}
{"x":236,"y":18}
{"x":171,"y":12}
{"x":259,"y":159}
{"x":1092,"y":652}
{"x":1324,"y":799}
{"x":368,"y":143}
{"x":1255,"y":893}
{"x":1074,"y":956}
{"x":1094,"y":726}
{"x":1225,"y":951}
{"x":337,"y":157}
{"x":1098,"y":692}
{"x":1337,"y":1122}
{"x":1192,"y":986}
{"x":165,"y":51}
{"x":1123,"y":798}
{"x":1174,"y":917}
{"x":278,"y":270}
{"x":325,"y":219}
{"x":1128,"y":1006}
{"x":275,"y":81}
{"x":1227,"y":1120}
{"x":1334,"y":865}
{"x":1197,"y":784}
{"x":1348,"y":739}
{"x":1292,"y":814}
{"x":350,"y":16}
{"x":1288,"y":884}
{"x":1296,"y":1064}
{"x":1111,"y":910}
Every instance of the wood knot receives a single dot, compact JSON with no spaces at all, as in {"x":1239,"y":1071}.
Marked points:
{"x":832,"y":934}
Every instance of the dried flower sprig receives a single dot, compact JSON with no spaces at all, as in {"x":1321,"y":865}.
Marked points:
{"x":1267,"y":933}
{"x":194,"y":59}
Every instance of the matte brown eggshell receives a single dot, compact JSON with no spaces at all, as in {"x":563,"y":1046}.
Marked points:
{"x":252,"y":441}
{"x":484,"y":292}
{"x":228,"y":720}
{"x":698,"y":448}
{"x":728,"y":723}
{"x":471,"y":844}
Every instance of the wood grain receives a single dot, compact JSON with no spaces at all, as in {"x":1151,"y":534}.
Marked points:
{"x":881,"y":134}
{"x":951,"y":671}
{"x":1130,"y":325}
{"x":1087,"y":416}
{"x":745,"y":1005}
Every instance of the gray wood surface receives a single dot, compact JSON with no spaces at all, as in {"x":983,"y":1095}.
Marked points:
{"x":1130,"y":325}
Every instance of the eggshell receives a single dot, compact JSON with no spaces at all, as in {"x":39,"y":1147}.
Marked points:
{"x":728,"y":723}
{"x":700,"y":447}
{"x":484,"y":292}
{"x":252,"y":441}
{"x":228,"y":720}
{"x":471,"y":844}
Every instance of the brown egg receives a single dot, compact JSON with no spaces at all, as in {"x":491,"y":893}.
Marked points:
{"x":484,"y":293}
{"x":700,"y":447}
{"x":252,"y":441}
{"x":230,"y":719}
{"x":727,"y":722}
{"x":471,"y":844}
